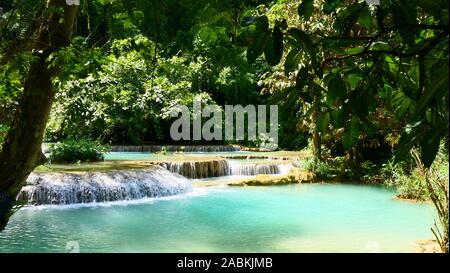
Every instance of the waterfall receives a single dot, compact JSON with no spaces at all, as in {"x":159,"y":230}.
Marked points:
{"x":198,"y":169}
{"x":176,"y":148}
{"x":73,"y":188}
{"x":260,"y":168}
{"x":222,"y":167}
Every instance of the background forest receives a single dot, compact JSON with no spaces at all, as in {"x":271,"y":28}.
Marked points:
{"x":364,"y":87}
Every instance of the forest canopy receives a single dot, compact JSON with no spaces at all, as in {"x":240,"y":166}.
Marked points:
{"x":356,"y":81}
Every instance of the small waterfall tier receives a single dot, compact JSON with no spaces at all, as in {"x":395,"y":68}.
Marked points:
{"x":74,"y":188}
{"x":176,"y":148}
{"x":198,"y":169}
{"x":222,"y":167}
{"x":258,"y":168}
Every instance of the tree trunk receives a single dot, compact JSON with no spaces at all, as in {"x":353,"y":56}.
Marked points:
{"x":317,"y":141}
{"x":22,"y":148}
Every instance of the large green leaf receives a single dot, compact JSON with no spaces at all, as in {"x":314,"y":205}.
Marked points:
{"x":302,"y":78}
{"x":292,"y":59}
{"x":430,"y":146}
{"x":435,"y":88}
{"x":337,"y":118}
{"x":305,"y":9}
{"x":336,"y":89}
{"x":274,"y":49}
{"x":303,"y":41}
{"x":365,"y":17}
{"x":323,"y":120}
{"x":351,"y":134}
{"x":368,"y":127}
{"x":412,"y":135}
{"x":360,"y":103}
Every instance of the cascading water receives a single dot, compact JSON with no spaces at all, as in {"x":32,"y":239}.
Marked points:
{"x":223,"y":167}
{"x":73,"y":188}
{"x":198,"y":169}
{"x":237,"y":168}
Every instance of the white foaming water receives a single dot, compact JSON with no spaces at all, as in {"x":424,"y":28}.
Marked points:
{"x":76,"y":188}
{"x":223,"y":167}
{"x":198,"y":169}
{"x":195,"y":192}
{"x":237,"y":168}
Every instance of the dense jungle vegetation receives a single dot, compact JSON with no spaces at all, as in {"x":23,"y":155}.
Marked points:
{"x":364,"y":86}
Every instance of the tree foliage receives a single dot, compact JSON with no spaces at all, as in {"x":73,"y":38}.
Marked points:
{"x":362,"y":58}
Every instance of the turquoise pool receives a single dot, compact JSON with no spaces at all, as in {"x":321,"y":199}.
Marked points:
{"x":293,"y":218}
{"x":169,"y":156}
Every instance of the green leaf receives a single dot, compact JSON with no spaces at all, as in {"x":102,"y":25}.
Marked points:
{"x":330,"y":5}
{"x":303,"y":41}
{"x":274,"y":51}
{"x":262,"y":24}
{"x":337,"y":118}
{"x":353,"y":79}
{"x":323,"y":120}
{"x":347,"y":18}
{"x":360,"y":103}
{"x":413,"y":134}
{"x":435,"y":89}
{"x":336,"y":89}
{"x":369,"y":127}
{"x":302,"y":77}
{"x":430,"y":146}
{"x":292,"y":59}
{"x":351,"y":134}
{"x":365,"y":17}
{"x":305,"y":9}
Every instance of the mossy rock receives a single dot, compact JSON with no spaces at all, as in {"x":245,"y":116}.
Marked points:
{"x":294,"y":176}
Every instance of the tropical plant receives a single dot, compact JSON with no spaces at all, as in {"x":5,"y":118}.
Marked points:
{"x":76,"y":151}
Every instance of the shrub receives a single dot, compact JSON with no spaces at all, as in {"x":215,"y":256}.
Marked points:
{"x":71,"y":151}
{"x":322,"y":169}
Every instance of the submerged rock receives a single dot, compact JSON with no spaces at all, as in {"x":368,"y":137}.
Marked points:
{"x":294,"y":176}
{"x":427,"y":246}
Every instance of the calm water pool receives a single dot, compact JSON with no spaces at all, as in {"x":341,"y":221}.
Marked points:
{"x":172,"y":156}
{"x":293,"y":218}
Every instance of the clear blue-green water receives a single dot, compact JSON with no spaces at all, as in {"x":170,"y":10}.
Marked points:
{"x":293,"y":218}
{"x":169,"y":156}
